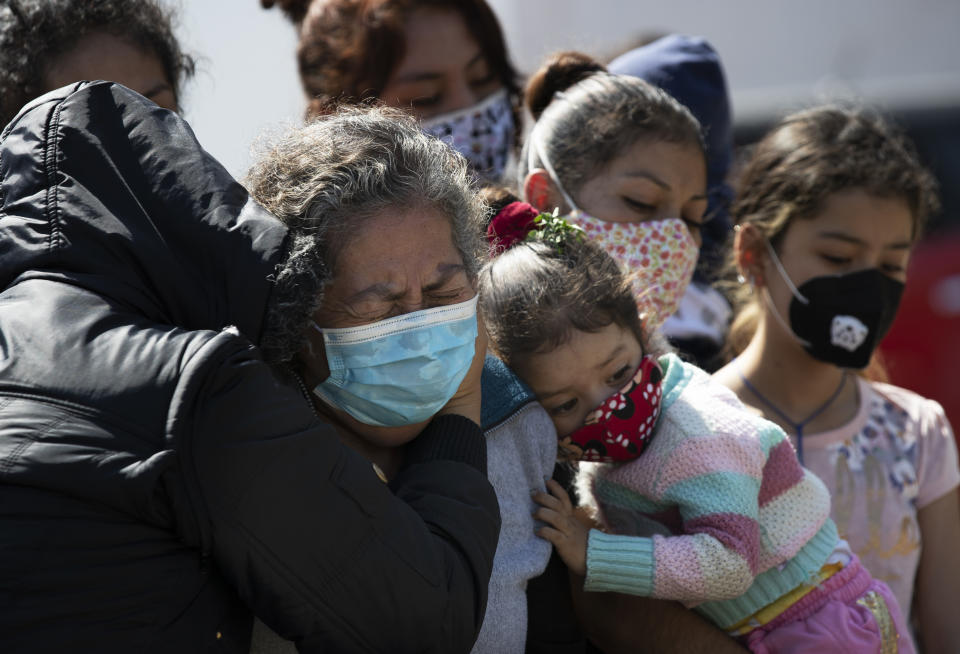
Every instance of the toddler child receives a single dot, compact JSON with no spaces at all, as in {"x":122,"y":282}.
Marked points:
{"x":702,"y":501}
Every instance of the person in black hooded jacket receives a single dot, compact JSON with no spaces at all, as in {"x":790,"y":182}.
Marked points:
{"x":164,"y":475}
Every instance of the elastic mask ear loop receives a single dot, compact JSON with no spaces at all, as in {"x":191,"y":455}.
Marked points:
{"x":793,"y":289}
{"x":319,"y":330}
{"x":783,"y":273}
{"x":537,"y":148}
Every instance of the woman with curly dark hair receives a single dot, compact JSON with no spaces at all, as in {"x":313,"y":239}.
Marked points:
{"x":46,"y":44}
{"x":444,"y":60}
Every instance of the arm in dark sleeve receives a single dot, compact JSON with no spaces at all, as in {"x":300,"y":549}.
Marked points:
{"x":322,"y":550}
{"x":617,"y":623}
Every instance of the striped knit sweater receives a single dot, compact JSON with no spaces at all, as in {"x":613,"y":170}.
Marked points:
{"x":740,"y":522}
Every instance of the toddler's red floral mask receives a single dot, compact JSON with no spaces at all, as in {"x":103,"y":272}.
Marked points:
{"x":622,"y":427}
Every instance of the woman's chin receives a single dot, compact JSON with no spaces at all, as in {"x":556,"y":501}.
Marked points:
{"x":374,"y":436}
{"x":389,"y":437}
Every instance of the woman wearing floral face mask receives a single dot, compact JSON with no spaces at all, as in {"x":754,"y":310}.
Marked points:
{"x":443,"y":60}
{"x":829,"y":207}
{"x":625,"y":161}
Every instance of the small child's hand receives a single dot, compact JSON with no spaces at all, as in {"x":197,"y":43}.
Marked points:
{"x":567,"y":534}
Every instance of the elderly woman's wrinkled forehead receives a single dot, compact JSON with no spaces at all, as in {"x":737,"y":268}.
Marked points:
{"x":398,"y":262}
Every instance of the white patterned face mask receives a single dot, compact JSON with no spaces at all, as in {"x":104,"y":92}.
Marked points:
{"x":659,"y":256}
{"x":482,"y":133}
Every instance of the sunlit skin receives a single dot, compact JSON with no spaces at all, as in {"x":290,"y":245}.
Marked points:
{"x":443,"y":68}
{"x":102,"y":56}
{"x":397,"y":263}
{"x":649,"y":180}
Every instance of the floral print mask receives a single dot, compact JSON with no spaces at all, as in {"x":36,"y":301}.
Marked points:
{"x":483,"y":133}
{"x":622,"y":427}
{"x":658,"y":256}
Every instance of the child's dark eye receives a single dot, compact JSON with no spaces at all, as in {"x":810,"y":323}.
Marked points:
{"x":620,"y":375}
{"x":566,"y":407}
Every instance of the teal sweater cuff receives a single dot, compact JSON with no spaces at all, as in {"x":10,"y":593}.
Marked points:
{"x":621,"y":564}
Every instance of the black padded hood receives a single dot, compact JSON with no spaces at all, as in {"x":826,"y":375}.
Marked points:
{"x":102,"y":189}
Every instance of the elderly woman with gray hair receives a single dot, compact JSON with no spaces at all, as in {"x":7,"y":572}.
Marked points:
{"x":181,"y":371}
{"x":391,"y":257}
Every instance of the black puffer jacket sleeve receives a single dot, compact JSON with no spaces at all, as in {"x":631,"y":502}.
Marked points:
{"x":321,"y":549}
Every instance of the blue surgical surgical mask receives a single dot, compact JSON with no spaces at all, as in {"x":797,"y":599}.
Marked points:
{"x":402,"y":370}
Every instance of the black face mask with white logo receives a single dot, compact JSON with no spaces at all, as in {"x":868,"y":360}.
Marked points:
{"x":840,"y":319}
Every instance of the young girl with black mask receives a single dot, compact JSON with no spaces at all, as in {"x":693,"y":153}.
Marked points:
{"x":700,"y":500}
{"x":829,"y":208}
